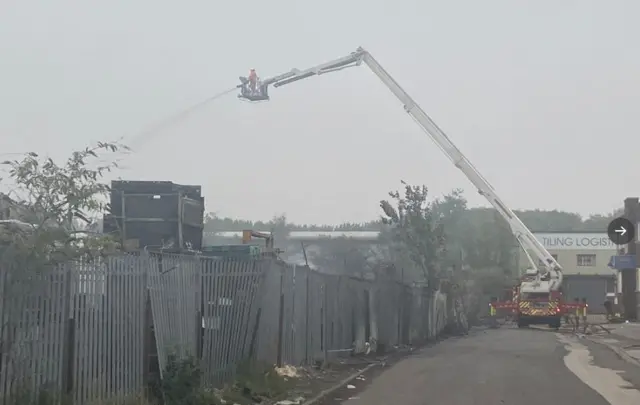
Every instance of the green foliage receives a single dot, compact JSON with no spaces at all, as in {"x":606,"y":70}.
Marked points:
{"x":181,"y":382}
{"x":214,"y":223}
{"x":537,"y":220}
{"x":25,"y":396}
{"x":52,"y":200}
{"x":254,"y":383}
{"x":415,"y":231}
{"x":257,"y":382}
{"x":456,"y":248}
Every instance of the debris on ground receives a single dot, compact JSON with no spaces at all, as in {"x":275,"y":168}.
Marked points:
{"x":295,"y":401}
{"x":287,"y":371}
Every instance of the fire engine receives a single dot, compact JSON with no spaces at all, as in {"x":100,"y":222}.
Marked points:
{"x":536,"y":308}
{"x":539,"y":294}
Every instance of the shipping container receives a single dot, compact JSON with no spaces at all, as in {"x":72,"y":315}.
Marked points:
{"x":156,"y":214}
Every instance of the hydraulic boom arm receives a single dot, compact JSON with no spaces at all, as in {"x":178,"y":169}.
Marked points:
{"x":527,"y":240}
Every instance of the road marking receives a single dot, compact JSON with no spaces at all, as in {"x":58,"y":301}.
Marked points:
{"x":606,"y":382}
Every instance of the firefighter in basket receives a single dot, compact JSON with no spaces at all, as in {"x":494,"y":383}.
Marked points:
{"x":253,"y":81}
{"x":252,"y":89}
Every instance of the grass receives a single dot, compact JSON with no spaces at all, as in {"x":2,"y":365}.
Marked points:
{"x":255,"y":383}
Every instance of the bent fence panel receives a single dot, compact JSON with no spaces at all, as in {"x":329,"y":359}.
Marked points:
{"x":231,"y":292}
{"x":174,"y":289}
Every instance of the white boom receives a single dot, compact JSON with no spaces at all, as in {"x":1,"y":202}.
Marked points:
{"x":550,"y":278}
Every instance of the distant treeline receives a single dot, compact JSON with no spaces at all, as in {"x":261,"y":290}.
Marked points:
{"x":536,"y":220}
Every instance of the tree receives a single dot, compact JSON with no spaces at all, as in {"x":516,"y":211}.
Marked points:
{"x":413,"y":232}
{"x":215,"y":223}
{"x":599,"y":223}
{"x":278,"y":226}
{"x":54,"y":200}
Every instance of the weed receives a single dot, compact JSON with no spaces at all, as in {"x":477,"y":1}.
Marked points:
{"x":181,"y":382}
{"x":256,"y":382}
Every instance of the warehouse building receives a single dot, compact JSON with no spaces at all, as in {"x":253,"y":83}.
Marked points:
{"x":585,"y":259}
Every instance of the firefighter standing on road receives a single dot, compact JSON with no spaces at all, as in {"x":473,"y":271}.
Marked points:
{"x":493,"y":321}
{"x":584,"y":313}
{"x":577,"y":315}
{"x":567,"y":317}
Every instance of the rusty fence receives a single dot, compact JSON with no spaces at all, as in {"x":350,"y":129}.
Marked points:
{"x":104,"y":330}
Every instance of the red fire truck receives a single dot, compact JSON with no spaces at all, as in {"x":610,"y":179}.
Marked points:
{"x":536,"y":308}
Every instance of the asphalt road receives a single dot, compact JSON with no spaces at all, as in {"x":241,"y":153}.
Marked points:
{"x":506,"y":366}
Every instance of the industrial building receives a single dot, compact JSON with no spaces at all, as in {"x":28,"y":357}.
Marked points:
{"x":585,"y":259}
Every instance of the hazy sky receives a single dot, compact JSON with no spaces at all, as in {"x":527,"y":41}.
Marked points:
{"x":543,"y":96}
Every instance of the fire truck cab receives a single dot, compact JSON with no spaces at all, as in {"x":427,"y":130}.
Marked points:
{"x":539,"y":308}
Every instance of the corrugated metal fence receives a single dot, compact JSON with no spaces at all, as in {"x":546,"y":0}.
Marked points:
{"x":98,"y":331}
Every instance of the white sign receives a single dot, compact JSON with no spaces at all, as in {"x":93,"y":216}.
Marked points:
{"x":576,"y":241}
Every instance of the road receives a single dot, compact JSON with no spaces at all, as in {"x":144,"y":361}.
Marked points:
{"x":627,"y":335}
{"x":507,"y":366}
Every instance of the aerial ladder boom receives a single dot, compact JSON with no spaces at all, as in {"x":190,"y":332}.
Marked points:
{"x":552,"y":272}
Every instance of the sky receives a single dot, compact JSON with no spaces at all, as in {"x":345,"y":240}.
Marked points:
{"x":542,"y":96}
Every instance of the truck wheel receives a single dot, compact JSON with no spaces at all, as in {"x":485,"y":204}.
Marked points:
{"x":522,"y":324}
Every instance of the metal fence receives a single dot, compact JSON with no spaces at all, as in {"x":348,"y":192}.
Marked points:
{"x":101,"y":330}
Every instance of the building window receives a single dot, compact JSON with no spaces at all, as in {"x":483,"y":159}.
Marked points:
{"x":541,"y":263}
{"x":586,"y":260}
